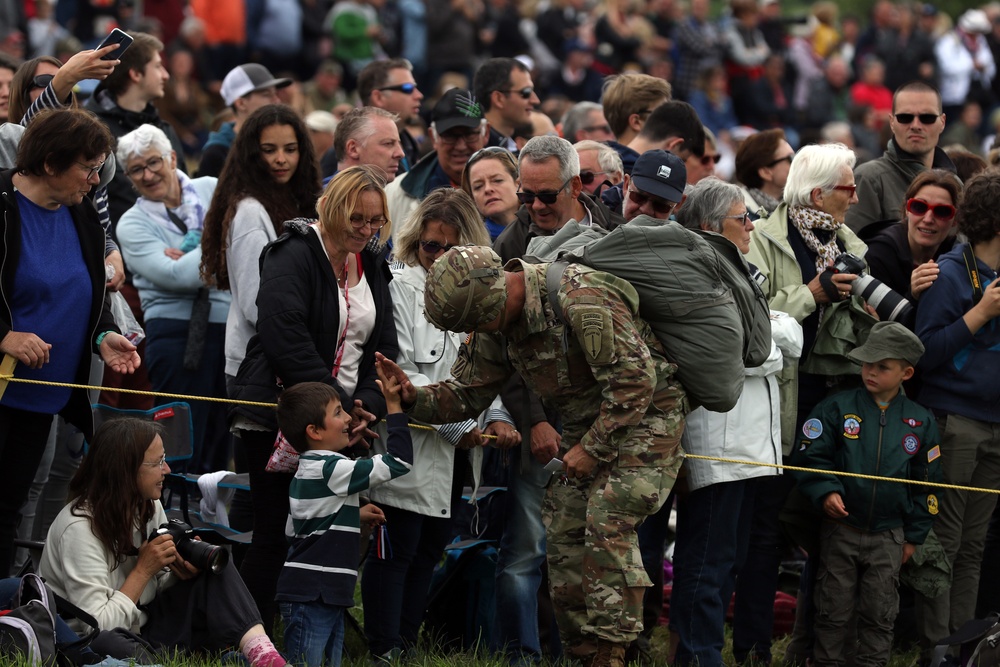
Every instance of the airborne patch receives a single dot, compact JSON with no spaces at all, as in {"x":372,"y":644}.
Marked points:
{"x":595,"y":329}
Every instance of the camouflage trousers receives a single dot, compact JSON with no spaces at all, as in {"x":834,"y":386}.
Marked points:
{"x":596,"y":576}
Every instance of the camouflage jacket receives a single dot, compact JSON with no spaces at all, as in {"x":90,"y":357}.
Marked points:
{"x":612,"y":377}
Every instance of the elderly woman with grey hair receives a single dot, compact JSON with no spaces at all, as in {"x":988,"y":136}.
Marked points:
{"x":793,"y":247}
{"x":716,"y":513}
{"x":185,"y":321}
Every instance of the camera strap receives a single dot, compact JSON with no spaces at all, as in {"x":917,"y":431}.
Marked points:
{"x":970,"y":266}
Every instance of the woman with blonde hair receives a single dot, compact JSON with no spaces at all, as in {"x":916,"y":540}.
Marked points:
{"x":323,"y":310}
{"x":418,"y":506}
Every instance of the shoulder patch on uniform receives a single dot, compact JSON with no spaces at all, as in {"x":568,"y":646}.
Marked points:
{"x":933,"y":453}
{"x":595,"y":332}
{"x":911,"y":443}
{"x":813,"y":428}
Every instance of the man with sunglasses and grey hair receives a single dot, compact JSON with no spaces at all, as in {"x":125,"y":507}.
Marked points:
{"x":917,"y":122}
{"x":504,"y":89}
{"x":551,"y":195}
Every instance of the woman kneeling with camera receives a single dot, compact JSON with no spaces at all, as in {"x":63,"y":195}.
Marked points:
{"x":110,"y":553}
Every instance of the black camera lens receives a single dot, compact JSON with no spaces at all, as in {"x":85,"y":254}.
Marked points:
{"x":202,"y":555}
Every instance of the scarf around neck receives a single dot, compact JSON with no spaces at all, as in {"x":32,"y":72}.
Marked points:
{"x":806,"y":221}
{"x":191,"y":210}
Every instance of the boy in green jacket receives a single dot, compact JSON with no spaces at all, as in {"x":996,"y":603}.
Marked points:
{"x":870,"y":527}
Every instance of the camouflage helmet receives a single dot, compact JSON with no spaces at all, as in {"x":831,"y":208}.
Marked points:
{"x":465,"y":288}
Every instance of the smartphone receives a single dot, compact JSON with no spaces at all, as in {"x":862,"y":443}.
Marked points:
{"x":119,"y":37}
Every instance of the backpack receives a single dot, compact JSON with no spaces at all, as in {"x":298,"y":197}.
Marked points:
{"x":979,"y":642}
{"x":28,"y":628}
{"x":695,"y":291}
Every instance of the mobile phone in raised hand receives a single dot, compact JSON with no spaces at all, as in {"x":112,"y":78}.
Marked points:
{"x":119,"y":37}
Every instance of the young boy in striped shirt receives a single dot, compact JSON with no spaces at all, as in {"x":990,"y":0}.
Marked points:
{"x":316,"y":585}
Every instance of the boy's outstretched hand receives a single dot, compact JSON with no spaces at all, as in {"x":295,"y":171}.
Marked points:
{"x":387,"y":368}
{"x":390,"y":387}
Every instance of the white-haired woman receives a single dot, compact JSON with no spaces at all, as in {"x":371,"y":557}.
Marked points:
{"x":715,"y":514}
{"x":792,"y":248}
{"x":160,"y":238}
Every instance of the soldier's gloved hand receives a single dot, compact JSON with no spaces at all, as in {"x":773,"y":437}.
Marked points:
{"x":578,"y":462}
{"x":545,"y":442}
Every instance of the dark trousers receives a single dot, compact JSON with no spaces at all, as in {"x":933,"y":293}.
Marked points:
{"x":269,"y":494}
{"x":713,"y":533}
{"x":165,"y":343}
{"x":394,"y":590}
{"x":22,"y":442}
{"x":209,"y":613}
{"x":753,"y":615}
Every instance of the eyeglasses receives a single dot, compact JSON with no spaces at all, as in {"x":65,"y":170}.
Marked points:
{"x":787,"y":158}
{"x":659,"y":206}
{"x":924,"y":118}
{"x":939,"y":211}
{"x":706,"y":160}
{"x":525,"y":92}
{"x":156,"y":464}
{"x":153,"y":165}
{"x":91,"y":171}
{"x":433,"y":247}
{"x":744,"y":218}
{"x":598,"y":128}
{"x":407,"y":88}
{"x":548,"y":198}
{"x":849,"y":189}
{"x":42,"y":80}
{"x":468,"y":137}
{"x":358,"y":221}
{"x":588,"y":176}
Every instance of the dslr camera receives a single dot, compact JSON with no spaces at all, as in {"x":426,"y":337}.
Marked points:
{"x":202,"y":555}
{"x":889,"y":304}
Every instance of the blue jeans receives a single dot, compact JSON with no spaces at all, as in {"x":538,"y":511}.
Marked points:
{"x":522,"y":553}
{"x":713,"y":530}
{"x":314,"y":633}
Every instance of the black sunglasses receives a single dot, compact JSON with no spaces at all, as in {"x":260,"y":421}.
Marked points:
{"x":525,"y":92}
{"x":787,"y":158}
{"x":433,"y":247}
{"x":588,"y":176}
{"x":42,"y":80}
{"x":548,"y":198}
{"x":925,"y":118}
{"x":660,"y":206}
{"x":705,"y":160}
{"x":407,"y":88}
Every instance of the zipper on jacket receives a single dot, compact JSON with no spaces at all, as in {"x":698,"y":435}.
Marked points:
{"x":878,"y":464}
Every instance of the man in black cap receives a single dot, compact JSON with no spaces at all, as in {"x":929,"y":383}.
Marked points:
{"x":245,"y":89}
{"x":458,"y":129}
{"x":655,"y":187}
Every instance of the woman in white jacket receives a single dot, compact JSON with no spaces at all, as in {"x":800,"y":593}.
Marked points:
{"x":714,"y":515}
{"x":418,"y":506}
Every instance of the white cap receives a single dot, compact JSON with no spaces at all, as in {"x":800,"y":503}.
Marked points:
{"x":246,"y":79}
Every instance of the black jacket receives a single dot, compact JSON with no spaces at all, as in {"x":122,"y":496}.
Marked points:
{"x":88,"y":227}
{"x":298,"y":320}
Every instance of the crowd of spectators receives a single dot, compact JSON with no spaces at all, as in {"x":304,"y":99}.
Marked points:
{"x":261,"y":163}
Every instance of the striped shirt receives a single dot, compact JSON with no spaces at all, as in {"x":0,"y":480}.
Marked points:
{"x":324,"y":517}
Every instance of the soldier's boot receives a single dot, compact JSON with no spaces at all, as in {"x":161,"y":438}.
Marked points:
{"x":608,"y":655}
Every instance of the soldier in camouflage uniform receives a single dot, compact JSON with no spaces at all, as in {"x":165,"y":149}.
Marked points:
{"x":623,"y":416}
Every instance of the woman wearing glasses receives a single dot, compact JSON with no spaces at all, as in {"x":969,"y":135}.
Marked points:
{"x":52,"y":284}
{"x":490,"y":178}
{"x":185,"y":321}
{"x":418,"y":510}
{"x":792,"y":248}
{"x":904,"y":256}
{"x":103,"y":554}
{"x":323,"y":310}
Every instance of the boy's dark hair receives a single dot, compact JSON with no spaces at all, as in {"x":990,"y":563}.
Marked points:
{"x":136,"y":57}
{"x":675,"y":119}
{"x":302,"y":406}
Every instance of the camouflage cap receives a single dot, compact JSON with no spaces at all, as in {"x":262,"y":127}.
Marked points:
{"x":889,"y":340}
{"x":465,"y":288}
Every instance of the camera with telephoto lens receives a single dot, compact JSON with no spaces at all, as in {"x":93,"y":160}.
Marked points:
{"x":889,"y":304}
{"x":202,"y":555}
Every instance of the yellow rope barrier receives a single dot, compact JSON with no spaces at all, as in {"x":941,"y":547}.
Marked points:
{"x":182,"y":397}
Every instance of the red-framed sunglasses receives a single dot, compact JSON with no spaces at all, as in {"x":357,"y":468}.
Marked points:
{"x":939,"y":211}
